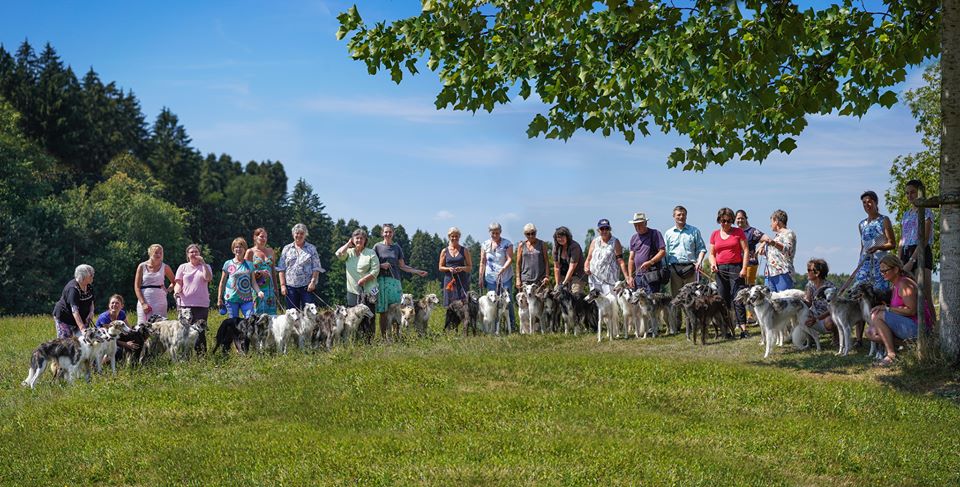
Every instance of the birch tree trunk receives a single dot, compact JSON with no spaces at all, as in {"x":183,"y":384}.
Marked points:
{"x":950,"y":181}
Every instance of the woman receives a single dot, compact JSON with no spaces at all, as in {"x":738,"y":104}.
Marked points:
{"x":817,"y":285}
{"x":75,"y":307}
{"x":149,"y":285}
{"x":876,"y":239}
{"x":753,"y":238}
{"x":192,"y":289}
{"x":496,"y":269}
{"x":568,"y":261}
{"x":237,"y":286}
{"x":532,"y":260}
{"x":728,"y":261}
{"x":604,"y":264}
{"x":362,"y":266}
{"x":113,"y":313}
{"x":298,"y":269}
{"x":900,"y":318}
{"x":455,"y":265}
{"x":263,"y":259}
{"x":779,"y":251}
{"x":391,"y":259}
{"x":908,"y":247}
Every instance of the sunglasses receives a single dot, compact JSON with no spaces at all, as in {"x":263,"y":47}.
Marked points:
{"x":726,"y":221}
{"x":884,"y":271}
{"x":529,"y":234}
{"x":811,"y":270}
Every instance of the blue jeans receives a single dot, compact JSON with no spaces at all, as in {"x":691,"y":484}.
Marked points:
{"x":780,"y":282}
{"x":298,"y":296}
{"x":234,"y":308}
{"x":902,"y":327}
{"x":508,"y":285}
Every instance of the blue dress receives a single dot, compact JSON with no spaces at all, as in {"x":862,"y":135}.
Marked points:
{"x":871,"y":233}
{"x":455,"y":286}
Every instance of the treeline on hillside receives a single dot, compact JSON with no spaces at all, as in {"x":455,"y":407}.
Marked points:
{"x":84,"y":178}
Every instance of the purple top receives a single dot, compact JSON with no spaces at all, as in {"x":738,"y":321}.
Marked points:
{"x":645,"y":246}
{"x":104,"y":318}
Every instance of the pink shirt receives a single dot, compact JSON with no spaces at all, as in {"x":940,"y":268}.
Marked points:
{"x":728,"y":251}
{"x":194,"y":289}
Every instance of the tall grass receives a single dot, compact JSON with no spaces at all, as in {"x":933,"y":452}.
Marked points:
{"x":534,"y":410}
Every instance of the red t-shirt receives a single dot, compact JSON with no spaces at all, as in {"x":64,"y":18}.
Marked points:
{"x":728,"y":251}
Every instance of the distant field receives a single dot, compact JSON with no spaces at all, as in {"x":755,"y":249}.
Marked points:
{"x":540,"y":410}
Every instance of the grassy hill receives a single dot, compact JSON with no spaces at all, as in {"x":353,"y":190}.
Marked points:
{"x":538,"y":410}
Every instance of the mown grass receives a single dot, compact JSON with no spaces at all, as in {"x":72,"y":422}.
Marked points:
{"x":536,"y":410}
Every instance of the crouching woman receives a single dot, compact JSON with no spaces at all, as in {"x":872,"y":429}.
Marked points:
{"x":900,"y":318}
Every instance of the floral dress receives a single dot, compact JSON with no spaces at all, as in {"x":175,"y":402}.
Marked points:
{"x":267,"y":305}
{"x":871,"y":233}
{"x":604,"y":268}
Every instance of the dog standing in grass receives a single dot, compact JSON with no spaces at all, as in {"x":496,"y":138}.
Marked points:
{"x":70,"y":354}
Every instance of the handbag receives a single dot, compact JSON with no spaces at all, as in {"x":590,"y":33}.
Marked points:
{"x":659,"y":275}
{"x":684,"y":270}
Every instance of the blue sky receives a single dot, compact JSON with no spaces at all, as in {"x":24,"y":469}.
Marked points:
{"x":263,"y":81}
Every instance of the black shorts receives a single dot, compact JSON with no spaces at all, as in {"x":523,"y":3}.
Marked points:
{"x":927,"y":255}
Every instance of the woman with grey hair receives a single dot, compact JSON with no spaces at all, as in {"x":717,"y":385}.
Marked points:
{"x":75,"y":310}
{"x":779,"y":250}
{"x":392,"y":262}
{"x":298,"y":269}
{"x":496,"y":257}
{"x":532,"y":259}
{"x":362,"y":266}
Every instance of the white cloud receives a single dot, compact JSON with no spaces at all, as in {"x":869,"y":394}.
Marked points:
{"x":443,"y":215}
{"x":418,"y":110}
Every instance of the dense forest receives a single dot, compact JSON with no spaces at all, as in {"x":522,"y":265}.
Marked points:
{"x":85,"y":178}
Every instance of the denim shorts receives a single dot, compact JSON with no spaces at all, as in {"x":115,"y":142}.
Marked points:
{"x":780,"y":282}
{"x":902,"y":327}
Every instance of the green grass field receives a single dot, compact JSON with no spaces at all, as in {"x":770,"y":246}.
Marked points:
{"x":540,"y":410}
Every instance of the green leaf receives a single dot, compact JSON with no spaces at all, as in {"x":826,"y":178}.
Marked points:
{"x":524,"y":89}
{"x":537,"y":126}
{"x":787,"y":145}
{"x":888,"y":99}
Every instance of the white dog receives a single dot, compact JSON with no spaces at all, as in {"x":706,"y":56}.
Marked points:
{"x":489,"y":312}
{"x":523,"y":313}
{"x":776,"y":315}
{"x":607,"y":313}
{"x":171,"y":335}
{"x":306,"y":325}
{"x":534,"y":308}
{"x":628,"y":301}
{"x":107,"y":348}
{"x":282,"y":327}
{"x":351,"y":322}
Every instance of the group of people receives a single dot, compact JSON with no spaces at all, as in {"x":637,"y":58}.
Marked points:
{"x":655,"y":260}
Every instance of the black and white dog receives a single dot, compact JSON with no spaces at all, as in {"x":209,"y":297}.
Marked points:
{"x":71,"y":354}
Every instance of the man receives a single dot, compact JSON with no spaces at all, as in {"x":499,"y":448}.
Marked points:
{"x":685,"y":250}
{"x":647,"y":250}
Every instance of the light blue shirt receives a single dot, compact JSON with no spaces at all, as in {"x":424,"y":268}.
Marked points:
{"x":496,"y":256}
{"x":683,"y":246}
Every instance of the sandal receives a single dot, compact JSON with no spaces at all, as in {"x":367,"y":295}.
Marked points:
{"x":884,"y":362}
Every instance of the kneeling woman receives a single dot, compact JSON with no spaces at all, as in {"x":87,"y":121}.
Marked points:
{"x":900,"y":318}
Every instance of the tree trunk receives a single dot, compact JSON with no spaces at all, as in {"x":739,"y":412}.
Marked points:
{"x":950,"y":181}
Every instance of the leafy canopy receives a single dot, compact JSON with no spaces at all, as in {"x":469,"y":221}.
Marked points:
{"x":735,"y":78}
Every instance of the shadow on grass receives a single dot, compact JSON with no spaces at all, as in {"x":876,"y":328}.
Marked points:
{"x":908,"y":374}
